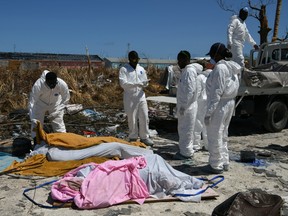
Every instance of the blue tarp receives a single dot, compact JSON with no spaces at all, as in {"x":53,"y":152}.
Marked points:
{"x":6,"y":159}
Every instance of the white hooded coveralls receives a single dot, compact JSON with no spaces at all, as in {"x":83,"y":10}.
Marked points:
{"x":200,"y":127}
{"x":173,"y":79}
{"x":135,"y":104}
{"x":187,"y":101}
{"x":221,"y":87}
{"x":43,"y":99}
{"x":238,"y":33}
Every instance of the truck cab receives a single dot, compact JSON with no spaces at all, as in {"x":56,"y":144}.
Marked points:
{"x":269,"y":52}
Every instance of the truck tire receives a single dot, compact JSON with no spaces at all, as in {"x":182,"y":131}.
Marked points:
{"x":276,"y":117}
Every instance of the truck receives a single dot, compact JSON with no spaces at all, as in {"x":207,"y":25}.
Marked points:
{"x":263,"y":91}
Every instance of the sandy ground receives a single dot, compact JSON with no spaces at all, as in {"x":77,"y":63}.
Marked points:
{"x":271,"y":176}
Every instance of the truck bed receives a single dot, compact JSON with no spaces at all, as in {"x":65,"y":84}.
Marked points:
{"x":269,"y":79}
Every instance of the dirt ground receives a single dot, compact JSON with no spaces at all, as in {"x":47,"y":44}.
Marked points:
{"x":269,"y":174}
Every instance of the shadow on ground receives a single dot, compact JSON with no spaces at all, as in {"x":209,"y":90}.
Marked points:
{"x":276,"y":147}
{"x":238,"y":126}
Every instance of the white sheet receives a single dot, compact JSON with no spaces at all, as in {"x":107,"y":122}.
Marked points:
{"x":102,"y":150}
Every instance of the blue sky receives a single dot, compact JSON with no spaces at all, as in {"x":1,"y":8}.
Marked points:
{"x":108,"y":28}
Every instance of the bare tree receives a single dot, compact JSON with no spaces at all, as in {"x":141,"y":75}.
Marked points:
{"x":258,"y":12}
{"x":262,"y":18}
{"x":277,"y":20}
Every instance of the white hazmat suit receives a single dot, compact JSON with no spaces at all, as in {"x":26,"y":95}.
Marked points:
{"x":200,"y":128}
{"x":237,"y":34}
{"x":135,"y":104}
{"x":187,"y":108}
{"x":221,"y":87}
{"x":44,"y":99}
{"x":173,"y":79}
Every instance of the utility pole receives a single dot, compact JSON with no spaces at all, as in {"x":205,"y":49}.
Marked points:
{"x":128,"y":48}
{"x":89,"y":64}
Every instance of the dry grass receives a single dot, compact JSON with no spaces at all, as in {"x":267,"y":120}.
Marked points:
{"x":100,"y":88}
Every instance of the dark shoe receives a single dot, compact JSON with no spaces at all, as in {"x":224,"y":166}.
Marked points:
{"x":35,"y":141}
{"x":226,"y":167}
{"x":204,"y":148}
{"x":179,"y":156}
{"x":166,"y":91}
{"x":147,"y":142}
{"x":209,"y":169}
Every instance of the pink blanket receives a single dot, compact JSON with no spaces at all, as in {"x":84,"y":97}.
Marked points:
{"x":106,"y":184}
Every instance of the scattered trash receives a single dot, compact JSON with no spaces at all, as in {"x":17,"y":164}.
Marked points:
{"x":121,"y":117}
{"x":122,"y":135}
{"x":93,"y":115}
{"x":247,"y":156}
{"x":89,"y":133}
{"x":259,"y":170}
{"x":264,"y":154}
{"x":112,"y":129}
{"x":73,"y":108}
{"x":153,"y":133}
{"x":259,"y":163}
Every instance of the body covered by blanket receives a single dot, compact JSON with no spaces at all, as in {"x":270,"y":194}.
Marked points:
{"x":61,"y":160}
{"x":105,"y":184}
{"x":67,"y":151}
{"x":108,"y":150}
{"x":95,"y":186}
{"x":74,"y":141}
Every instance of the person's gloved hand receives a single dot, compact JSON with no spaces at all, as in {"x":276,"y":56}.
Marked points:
{"x":207,"y":120}
{"x":145,"y":83}
{"x":52,"y":116}
{"x":181,"y":110}
{"x":256,"y":47}
{"x":140,"y":84}
{"x":229,"y":46}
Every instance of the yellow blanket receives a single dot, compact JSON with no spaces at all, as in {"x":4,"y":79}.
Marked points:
{"x":39,"y":165}
{"x":75,"y":141}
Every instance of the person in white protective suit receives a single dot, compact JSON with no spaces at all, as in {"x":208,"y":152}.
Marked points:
{"x":186,"y":105}
{"x":200,"y":128}
{"x":172,"y":83}
{"x":49,"y":94}
{"x":173,"y":79}
{"x":237,"y":34}
{"x":221,"y":87}
{"x":133,"y":79}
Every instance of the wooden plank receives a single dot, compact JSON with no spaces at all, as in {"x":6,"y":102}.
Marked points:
{"x":208,"y":194}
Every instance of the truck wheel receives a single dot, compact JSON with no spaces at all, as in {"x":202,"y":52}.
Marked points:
{"x":277,"y":116}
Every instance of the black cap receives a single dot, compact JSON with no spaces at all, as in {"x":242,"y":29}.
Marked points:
{"x":133,"y":55}
{"x":216,"y":48}
{"x":185,"y":54}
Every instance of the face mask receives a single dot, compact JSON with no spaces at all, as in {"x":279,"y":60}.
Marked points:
{"x":243,"y":15}
{"x":212,"y":61}
{"x":51,"y":84}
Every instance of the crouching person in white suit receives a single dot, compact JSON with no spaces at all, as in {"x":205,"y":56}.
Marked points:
{"x":49,"y":94}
